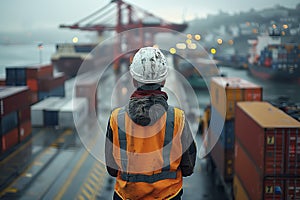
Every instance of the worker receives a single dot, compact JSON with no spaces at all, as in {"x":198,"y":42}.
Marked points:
{"x":149,"y":146}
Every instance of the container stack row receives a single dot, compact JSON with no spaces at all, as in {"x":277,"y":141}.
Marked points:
{"x":15,"y":119}
{"x":86,"y":87}
{"x":225,"y":93}
{"x":280,"y":56}
{"x":267,"y":153}
{"x":62,"y":112}
{"x":40,"y":79}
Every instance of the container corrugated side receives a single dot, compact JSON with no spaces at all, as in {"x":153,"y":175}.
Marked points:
{"x":25,"y":129}
{"x":266,"y":137}
{"x":40,"y":71}
{"x":10,"y":99}
{"x":225,"y":92}
{"x":9,"y":139}
{"x":8,"y":122}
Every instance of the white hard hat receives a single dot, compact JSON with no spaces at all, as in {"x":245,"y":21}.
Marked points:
{"x":149,"y":65}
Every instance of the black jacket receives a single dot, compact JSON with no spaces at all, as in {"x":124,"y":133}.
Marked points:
{"x":140,"y":112}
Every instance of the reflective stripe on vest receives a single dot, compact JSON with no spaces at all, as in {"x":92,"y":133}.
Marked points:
{"x":166,"y":173}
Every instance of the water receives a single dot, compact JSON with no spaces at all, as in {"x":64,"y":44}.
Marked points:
{"x":20,"y":55}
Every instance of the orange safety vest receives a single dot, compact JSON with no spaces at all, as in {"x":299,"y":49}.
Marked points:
{"x":148,"y":157}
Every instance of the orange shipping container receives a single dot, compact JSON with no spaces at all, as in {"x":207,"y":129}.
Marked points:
{"x":226,"y":91}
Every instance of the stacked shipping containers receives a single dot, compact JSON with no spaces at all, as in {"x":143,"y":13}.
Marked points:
{"x":267,"y":153}
{"x":225,"y":92}
{"x":63,"y":112}
{"x":39,"y":79}
{"x":15,"y":116}
{"x":86,"y":87}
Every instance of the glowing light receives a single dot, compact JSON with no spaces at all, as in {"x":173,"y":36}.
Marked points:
{"x":188,"y":41}
{"x":285,"y":26}
{"x":156,"y":46}
{"x":274,"y":26}
{"x":124,"y":90}
{"x":282,"y":33}
{"x":213,"y":51}
{"x":230,"y":42}
{"x":172,"y":50}
{"x":255,"y":31}
{"x":197,"y":37}
{"x":75,"y":39}
{"x":248,"y":23}
{"x":189,"y":36}
{"x":220,"y":41}
{"x":192,"y":46}
{"x":181,"y":46}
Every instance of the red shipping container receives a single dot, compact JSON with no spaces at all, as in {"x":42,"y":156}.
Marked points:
{"x":13,"y":98}
{"x":34,"y":97}
{"x":49,"y":83}
{"x":24,"y":114}
{"x":224,"y":161}
{"x":25,"y":130}
{"x":2,"y":82}
{"x":292,"y":188}
{"x":262,"y":129}
{"x":37,"y":72}
{"x":257,"y":185}
{"x":9,"y":139}
{"x":292,"y":159}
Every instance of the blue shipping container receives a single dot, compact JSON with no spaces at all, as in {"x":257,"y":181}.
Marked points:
{"x":227,"y":135}
{"x":8,"y":122}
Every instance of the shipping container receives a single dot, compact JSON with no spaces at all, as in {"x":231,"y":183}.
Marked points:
{"x":40,"y":71}
{"x":25,"y":130}
{"x":239,"y":191}
{"x":259,"y":186}
{"x":87,"y":88}
{"x":224,"y":161}
{"x":74,"y":111}
{"x":16,"y":76}
{"x":8,"y":122}
{"x":13,"y":98}
{"x":37,"y":110}
{"x":226,"y":91}
{"x":56,"y":92}
{"x":24,"y":114}
{"x":51,"y":113}
{"x":46,"y":84}
{"x":9,"y":139}
{"x":270,"y":137}
{"x":2,"y":82}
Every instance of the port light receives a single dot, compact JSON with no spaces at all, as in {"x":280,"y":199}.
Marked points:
{"x":213,"y":51}
{"x":189,"y":36}
{"x":172,"y":50}
{"x":181,"y":46}
{"x":197,"y":37}
{"x":75,"y":39}
{"x":219,"y":41}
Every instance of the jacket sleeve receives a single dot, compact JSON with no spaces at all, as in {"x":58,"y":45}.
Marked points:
{"x":111,"y":165}
{"x":188,"y":159}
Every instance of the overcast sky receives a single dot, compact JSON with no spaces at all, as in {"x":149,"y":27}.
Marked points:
{"x":19,"y":15}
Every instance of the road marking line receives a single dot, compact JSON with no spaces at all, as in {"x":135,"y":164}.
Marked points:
{"x":86,"y":193}
{"x":22,"y":147}
{"x":90,"y":189}
{"x":72,"y":176}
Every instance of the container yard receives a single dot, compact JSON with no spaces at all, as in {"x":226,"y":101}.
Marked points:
{"x":236,"y":75}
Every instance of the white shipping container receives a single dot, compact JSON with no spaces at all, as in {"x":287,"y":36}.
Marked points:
{"x":75,"y":111}
{"x":51,"y":113}
{"x":37,"y":110}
